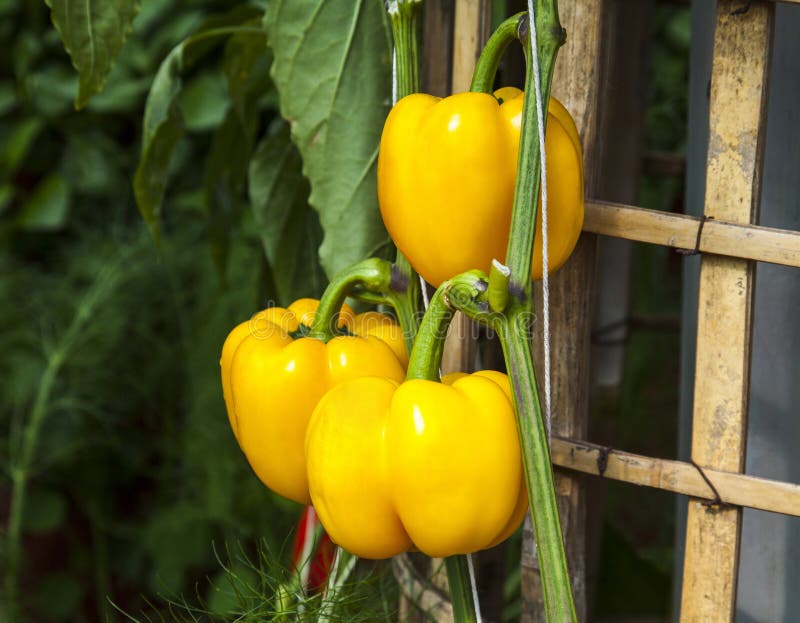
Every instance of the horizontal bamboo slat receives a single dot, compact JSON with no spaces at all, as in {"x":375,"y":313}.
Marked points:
{"x":679,"y":231}
{"x":676,"y":476}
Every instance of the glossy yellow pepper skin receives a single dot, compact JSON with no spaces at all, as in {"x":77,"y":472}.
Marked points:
{"x":272,"y":383}
{"x":446,"y":174}
{"x":418,"y":465}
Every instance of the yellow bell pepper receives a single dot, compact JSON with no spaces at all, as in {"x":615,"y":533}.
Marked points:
{"x":418,"y":465}
{"x":271,"y":383}
{"x":446,"y":174}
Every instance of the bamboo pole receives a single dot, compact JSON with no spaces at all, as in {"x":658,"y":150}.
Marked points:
{"x":678,"y":477}
{"x":742,"y":46}
{"x":679,"y":231}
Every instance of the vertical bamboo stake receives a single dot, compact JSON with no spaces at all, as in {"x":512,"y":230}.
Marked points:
{"x":742,"y":44}
{"x":576,"y":82}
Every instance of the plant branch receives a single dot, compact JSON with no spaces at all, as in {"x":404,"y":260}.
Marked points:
{"x":550,"y":37}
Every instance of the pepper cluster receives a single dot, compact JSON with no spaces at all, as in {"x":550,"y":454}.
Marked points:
{"x":347,"y":412}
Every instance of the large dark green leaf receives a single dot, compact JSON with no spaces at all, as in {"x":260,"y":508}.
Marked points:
{"x":331,"y":66}
{"x":93,"y":32}
{"x":232,"y":143}
{"x":226,"y":172}
{"x":163,"y":125}
{"x":289,"y":228}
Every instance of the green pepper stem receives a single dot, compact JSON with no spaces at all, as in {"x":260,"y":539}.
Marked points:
{"x":489,"y":60}
{"x":403,"y":16}
{"x":460,"y":589}
{"x":526,"y":190}
{"x":468,"y":291}
{"x":373,"y":275}
{"x":514,"y":336}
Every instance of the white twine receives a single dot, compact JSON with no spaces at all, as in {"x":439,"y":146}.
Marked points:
{"x":474,"y":585}
{"x":545,"y":262}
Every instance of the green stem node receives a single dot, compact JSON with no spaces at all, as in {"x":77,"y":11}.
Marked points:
{"x":468,"y":291}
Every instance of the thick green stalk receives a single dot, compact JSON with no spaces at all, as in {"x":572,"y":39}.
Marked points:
{"x":557,"y":591}
{"x":489,"y":60}
{"x":460,"y":589}
{"x":526,"y":190}
{"x":515,"y":332}
{"x":403,"y":15}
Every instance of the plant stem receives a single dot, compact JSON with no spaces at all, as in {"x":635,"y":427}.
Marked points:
{"x":403,"y":15}
{"x":459,"y":292}
{"x":514,"y":332}
{"x":489,"y":60}
{"x":460,"y":589}
{"x":19,"y":479}
{"x":557,"y":591}
{"x":373,"y":275}
{"x":526,"y":190}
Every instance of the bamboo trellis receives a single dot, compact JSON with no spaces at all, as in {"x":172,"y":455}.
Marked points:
{"x":730,"y":242}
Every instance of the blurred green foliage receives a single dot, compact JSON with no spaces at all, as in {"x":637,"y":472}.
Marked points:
{"x":113,"y":426}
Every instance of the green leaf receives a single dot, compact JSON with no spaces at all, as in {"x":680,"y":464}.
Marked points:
{"x":246,"y":65}
{"x":226,"y":172}
{"x":8,"y":97}
{"x":288,"y":227}
{"x":163,"y":123}
{"x":203,"y":102}
{"x":93,"y":32}
{"x":15,"y":145}
{"x":332,"y":68}
{"x":47,"y":208}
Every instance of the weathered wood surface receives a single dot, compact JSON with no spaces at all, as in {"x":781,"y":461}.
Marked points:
{"x":473,"y":25}
{"x":437,"y":47}
{"x":742,"y":44}
{"x":752,"y":242}
{"x":677,"y":476}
